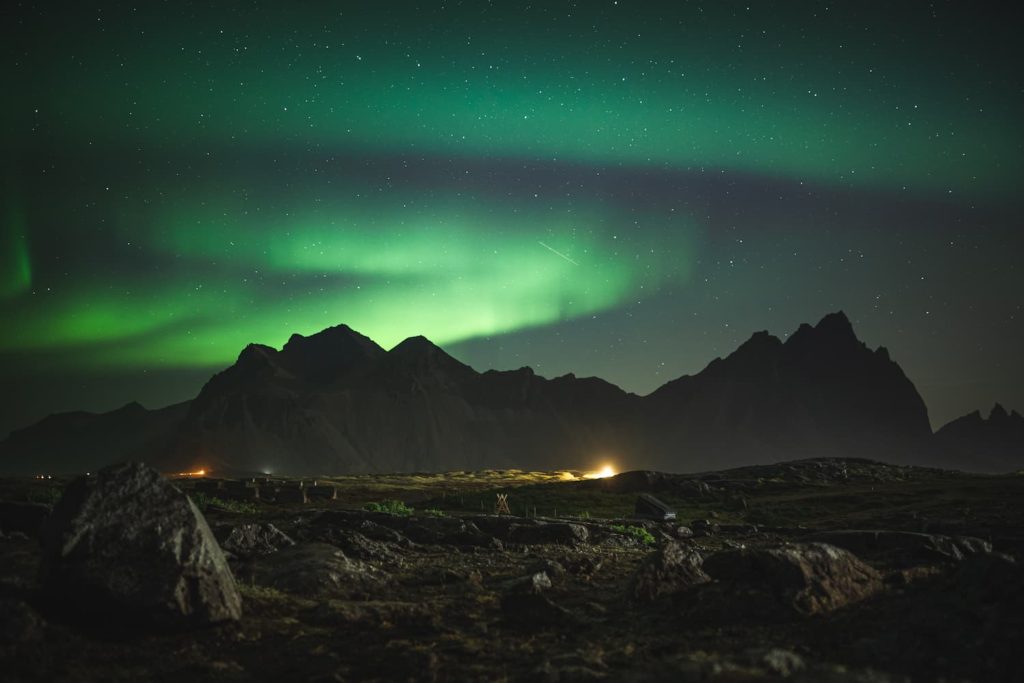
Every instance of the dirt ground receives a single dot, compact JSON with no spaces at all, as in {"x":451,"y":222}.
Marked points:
{"x":441,"y":590}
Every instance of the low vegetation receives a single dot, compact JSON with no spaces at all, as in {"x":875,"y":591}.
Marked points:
{"x":638,"y":532}
{"x":391,"y":507}
{"x":49,"y":495}
{"x":205,"y":502}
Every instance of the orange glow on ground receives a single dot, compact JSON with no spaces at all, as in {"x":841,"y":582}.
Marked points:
{"x":197,"y":473}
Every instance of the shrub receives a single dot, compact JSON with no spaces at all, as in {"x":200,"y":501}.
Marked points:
{"x":391,"y":507}
{"x":638,"y":532}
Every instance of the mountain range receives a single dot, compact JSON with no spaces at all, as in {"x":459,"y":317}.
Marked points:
{"x":336,"y":402}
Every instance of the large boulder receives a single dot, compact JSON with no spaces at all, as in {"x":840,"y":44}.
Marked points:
{"x":127,"y":541}
{"x":809,"y":578}
{"x":673,"y":568}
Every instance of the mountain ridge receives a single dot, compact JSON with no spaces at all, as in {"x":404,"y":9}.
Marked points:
{"x":336,"y":402}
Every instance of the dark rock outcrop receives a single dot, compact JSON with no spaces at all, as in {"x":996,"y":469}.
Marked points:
{"x":904,"y":545}
{"x":536,"y":610}
{"x":535,"y":583}
{"x":673,"y":568}
{"x":26,"y":518}
{"x":557,"y":533}
{"x":19,"y":622}
{"x":809,"y":578}
{"x":314,"y":569}
{"x":987,"y":579}
{"x":126,"y":541}
{"x":249,"y":540}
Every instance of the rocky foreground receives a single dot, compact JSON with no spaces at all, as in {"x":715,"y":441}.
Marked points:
{"x":126,"y":579}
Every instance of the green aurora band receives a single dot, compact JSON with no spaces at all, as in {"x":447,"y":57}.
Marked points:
{"x":15,"y":260}
{"x":731,"y":88}
{"x":455,"y":273}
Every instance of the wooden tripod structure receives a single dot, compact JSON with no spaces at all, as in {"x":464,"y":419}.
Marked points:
{"x":501,"y":506}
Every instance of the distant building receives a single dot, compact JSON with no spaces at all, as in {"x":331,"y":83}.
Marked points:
{"x":649,"y":507}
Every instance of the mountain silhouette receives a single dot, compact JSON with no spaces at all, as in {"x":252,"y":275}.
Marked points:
{"x":820,"y":391}
{"x":336,"y":402}
{"x":975,"y":443}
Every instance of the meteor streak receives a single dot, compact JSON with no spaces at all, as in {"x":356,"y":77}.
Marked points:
{"x":558,"y":253}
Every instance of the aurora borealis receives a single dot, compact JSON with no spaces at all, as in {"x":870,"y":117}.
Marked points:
{"x":623,"y":189}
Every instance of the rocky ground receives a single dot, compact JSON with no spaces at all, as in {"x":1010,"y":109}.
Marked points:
{"x":819,"y":570}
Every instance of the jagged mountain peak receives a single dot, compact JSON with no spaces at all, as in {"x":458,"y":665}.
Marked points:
{"x":837,"y":323}
{"x":340,"y":330}
{"x":834,"y":330}
{"x":995,"y":443}
{"x":418,"y":355}
{"x":760,"y":343}
{"x":329,"y":354}
{"x":256,"y":354}
{"x":998,"y":416}
{"x":131,"y":408}
{"x":973,"y":416}
{"x":339,"y":338}
{"x":416,"y":346}
{"x":759,"y":354}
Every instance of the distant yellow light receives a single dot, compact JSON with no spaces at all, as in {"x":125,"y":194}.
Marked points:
{"x":603,"y":473}
{"x":566,"y":476}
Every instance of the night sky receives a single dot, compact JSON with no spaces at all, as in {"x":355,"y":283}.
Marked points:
{"x":622,"y":189}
